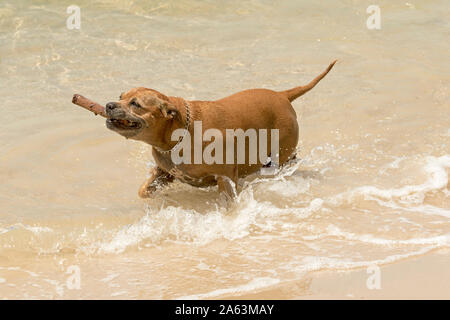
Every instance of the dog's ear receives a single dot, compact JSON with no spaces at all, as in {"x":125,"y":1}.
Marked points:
{"x":169,"y":110}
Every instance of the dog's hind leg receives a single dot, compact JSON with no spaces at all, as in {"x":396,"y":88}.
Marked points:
{"x":158,"y":179}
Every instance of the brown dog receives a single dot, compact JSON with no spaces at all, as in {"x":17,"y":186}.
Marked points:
{"x":150,"y":116}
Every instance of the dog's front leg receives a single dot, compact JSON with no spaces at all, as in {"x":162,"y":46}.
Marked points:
{"x":158,"y":179}
{"x":227,"y":185}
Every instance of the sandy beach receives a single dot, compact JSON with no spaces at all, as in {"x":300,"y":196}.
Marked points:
{"x":426,"y":277}
{"x":370,"y":186}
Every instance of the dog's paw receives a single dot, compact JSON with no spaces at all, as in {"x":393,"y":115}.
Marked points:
{"x":143,"y":194}
{"x":145,"y":190}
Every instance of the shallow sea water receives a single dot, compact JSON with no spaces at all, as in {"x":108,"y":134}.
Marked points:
{"x":371,"y":185}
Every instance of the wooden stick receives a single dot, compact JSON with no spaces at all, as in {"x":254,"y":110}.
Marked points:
{"x":89,"y":105}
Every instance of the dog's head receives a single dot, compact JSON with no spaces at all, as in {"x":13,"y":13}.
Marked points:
{"x":141,"y":114}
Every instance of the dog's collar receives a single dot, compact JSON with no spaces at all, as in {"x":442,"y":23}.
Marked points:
{"x":186,"y":130}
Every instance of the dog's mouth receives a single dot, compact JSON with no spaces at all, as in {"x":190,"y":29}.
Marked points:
{"x":126,"y":125}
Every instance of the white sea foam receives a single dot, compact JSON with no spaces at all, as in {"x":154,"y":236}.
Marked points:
{"x":443,"y":240}
{"x":254,"y":284}
{"x":305,"y":265}
{"x":425,"y":209}
{"x":437,"y":179}
{"x":109,"y":277}
{"x":314,"y":263}
{"x":175,"y":223}
{"x":180,"y":224}
{"x":392,"y":165}
{"x":34,"y":229}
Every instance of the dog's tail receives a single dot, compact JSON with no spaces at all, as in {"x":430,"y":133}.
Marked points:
{"x":296,"y":92}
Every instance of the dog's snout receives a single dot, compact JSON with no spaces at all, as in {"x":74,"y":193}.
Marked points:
{"x":114,"y":110}
{"x":111,"y":106}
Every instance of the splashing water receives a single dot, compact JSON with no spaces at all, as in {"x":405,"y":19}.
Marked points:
{"x":371,"y":186}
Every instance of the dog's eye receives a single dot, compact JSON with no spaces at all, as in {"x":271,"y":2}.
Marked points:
{"x":135,"y":104}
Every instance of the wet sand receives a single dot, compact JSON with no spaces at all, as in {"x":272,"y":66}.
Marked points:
{"x":371,"y":185}
{"x":425,"y":277}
